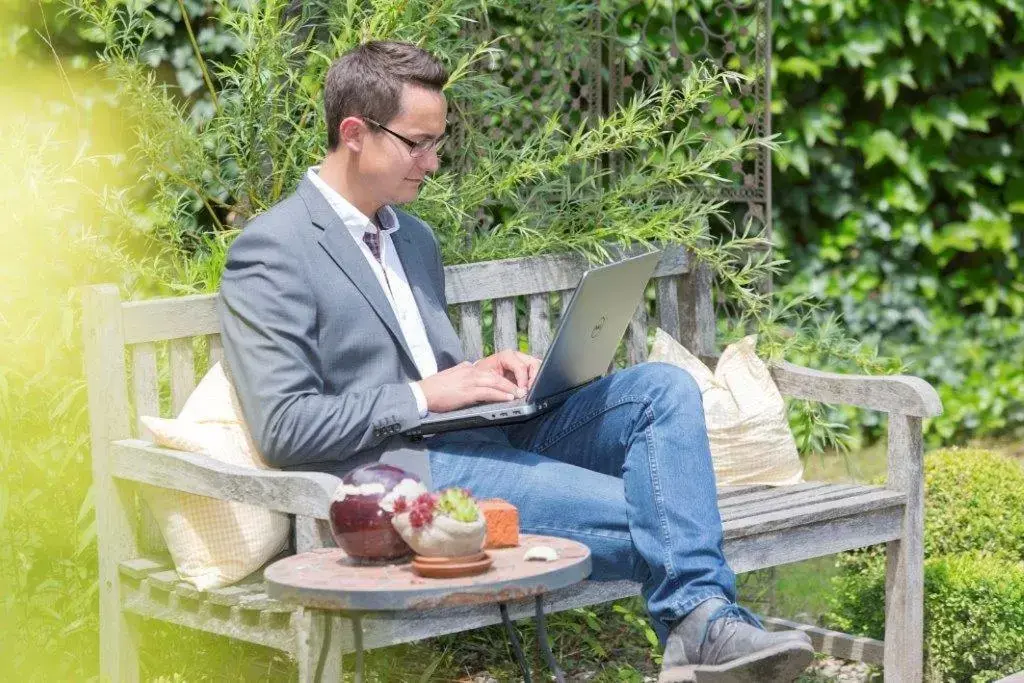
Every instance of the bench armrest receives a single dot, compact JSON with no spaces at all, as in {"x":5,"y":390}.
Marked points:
{"x":900,"y":394}
{"x":298,"y":493}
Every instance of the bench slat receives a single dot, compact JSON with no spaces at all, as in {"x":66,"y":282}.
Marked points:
{"x":808,"y":514}
{"x":145,"y":387}
{"x":142,"y":567}
{"x":770,"y":492}
{"x":539,"y":330}
{"x":183,"y":373}
{"x":725,"y":492}
{"x":668,"y":304}
{"x":471,"y":330}
{"x":216,"y":349}
{"x":506,"y":335}
{"x":540,"y":274}
{"x":636,"y":335}
{"x":793,"y":501}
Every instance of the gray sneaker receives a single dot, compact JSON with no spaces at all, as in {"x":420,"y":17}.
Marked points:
{"x":721,"y":642}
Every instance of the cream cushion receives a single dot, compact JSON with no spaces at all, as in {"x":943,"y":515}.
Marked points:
{"x":213,"y":543}
{"x":751,"y":442}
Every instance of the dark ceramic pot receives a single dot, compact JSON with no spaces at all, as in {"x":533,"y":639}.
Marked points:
{"x":359,"y":525}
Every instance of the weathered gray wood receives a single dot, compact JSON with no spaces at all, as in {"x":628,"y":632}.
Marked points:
{"x":756,"y":493}
{"x":216,"y":349}
{"x":795,"y":501}
{"x":539,"y":329}
{"x":471,"y":330}
{"x":725,"y":492}
{"x":566,"y":299}
{"x":141,"y":567}
{"x":1013,"y":678}
{"x":636,"y":336}
{"x":810,"y":540}
{"x":145,"y":386}
{"x":106,"y":381}
{"x":146,"y":394}
{"x":312,"y":533}
{"x":170,"y":318}
{"x":183,"y":373}
{"x":892,"y":393}
{"x":319,"y":638}
{"x":904,"y":559}
{"x":299,"y":493}
{"x":540,"y":274}
{"x":697,"y":311}
{"x":812,"y":513}
{"x":857,"y":648}
{"x":225,"y":622}
{"x":668,"y":305}
{"x":506,"y":335}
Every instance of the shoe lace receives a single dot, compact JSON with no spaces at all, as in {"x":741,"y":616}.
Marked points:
{"x":731,"y":612}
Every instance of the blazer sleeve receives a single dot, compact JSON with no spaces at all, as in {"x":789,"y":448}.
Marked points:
{"x":269,"y":326}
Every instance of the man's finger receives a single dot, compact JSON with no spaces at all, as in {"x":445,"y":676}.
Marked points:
{"x":497,"y":382}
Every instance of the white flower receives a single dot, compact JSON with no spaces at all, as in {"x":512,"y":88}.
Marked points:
{"x":407,"y":488}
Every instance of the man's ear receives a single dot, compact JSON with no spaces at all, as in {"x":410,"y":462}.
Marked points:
{"x":352,"y":131}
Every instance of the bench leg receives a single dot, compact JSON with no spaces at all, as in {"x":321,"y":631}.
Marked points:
{"x":119,"y":646}
{"x":318,"y":646}
{"x":904,"y":559}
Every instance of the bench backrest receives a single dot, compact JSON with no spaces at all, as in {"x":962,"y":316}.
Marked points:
{"x":148,"y":355}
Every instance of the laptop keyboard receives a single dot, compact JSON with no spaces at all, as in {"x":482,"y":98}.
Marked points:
{"x":481,"y":408}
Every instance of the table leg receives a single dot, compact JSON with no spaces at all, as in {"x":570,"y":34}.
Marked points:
{"x":542,"y":640}
{"x":357,"y":638}
{"x":517,"y":649}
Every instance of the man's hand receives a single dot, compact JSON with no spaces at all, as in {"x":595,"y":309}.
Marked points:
{"x":465,"y":385}
{"x":518,"y":367}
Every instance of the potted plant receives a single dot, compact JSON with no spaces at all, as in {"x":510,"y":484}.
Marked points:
{"x":445,"y":524}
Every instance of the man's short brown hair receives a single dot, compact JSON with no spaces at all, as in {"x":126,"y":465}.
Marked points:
{"x":367,"y":82}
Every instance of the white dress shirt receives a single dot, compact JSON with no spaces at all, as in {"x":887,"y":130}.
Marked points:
{"x":391,"y":277}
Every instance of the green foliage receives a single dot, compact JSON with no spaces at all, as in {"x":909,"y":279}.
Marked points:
{"x":457,"y":504}
{"x":899,"y":195}
{"x":974,"y":574}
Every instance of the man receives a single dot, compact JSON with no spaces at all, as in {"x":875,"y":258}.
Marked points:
{"x":336,"y":336}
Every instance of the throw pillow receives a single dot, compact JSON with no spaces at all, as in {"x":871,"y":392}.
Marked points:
{"x":751,"y":442}
{"x":213,"y":542}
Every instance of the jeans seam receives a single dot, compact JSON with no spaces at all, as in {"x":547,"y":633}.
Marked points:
{"x":630,"y":398}
{"x":659,"y":503}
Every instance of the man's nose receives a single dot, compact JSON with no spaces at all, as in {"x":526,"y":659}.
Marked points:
{"x":430,"y":161}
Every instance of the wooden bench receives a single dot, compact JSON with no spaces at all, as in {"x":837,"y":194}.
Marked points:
{"x":127,"y":344}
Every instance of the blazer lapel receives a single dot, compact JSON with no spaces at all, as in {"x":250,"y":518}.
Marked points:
{"x":435,"y":320}
{"x":337,"y":242}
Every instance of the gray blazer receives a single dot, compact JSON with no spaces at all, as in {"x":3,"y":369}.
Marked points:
{"x":311,"y":343}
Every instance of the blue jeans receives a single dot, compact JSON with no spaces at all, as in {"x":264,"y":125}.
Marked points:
{"x":622,"y":466}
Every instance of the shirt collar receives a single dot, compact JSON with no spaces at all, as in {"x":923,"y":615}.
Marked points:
{"x":355,"y":220}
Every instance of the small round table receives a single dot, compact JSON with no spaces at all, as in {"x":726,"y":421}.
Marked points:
{"x":327,"y":579}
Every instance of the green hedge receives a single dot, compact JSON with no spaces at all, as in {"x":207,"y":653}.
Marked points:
{"x":899,"y":194}
{"x":974,"y":574}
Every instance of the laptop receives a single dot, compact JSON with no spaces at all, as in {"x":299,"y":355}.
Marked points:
{"x":581,"y":352}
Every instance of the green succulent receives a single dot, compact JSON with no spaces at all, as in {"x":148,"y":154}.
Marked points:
{"x":457,"y":504}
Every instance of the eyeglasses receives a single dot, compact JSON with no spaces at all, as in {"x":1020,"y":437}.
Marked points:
{"x":417,"y":149}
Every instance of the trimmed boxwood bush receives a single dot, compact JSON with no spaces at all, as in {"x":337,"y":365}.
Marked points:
{"x":974,"y":570}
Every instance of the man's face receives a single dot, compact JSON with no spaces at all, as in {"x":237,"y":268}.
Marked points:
{"x":386,"y":165}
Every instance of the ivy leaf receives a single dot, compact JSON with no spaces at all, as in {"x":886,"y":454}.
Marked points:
{"x":883,"y":144}
{"x":1009,"y":75}
{"x":800,"y":67}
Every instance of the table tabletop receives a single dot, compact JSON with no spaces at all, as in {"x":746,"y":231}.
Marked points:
{"x":326,"y":578}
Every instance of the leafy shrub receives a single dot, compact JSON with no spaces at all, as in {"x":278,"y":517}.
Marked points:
{"x":974,"y":575}
{"x":899,"y":194}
